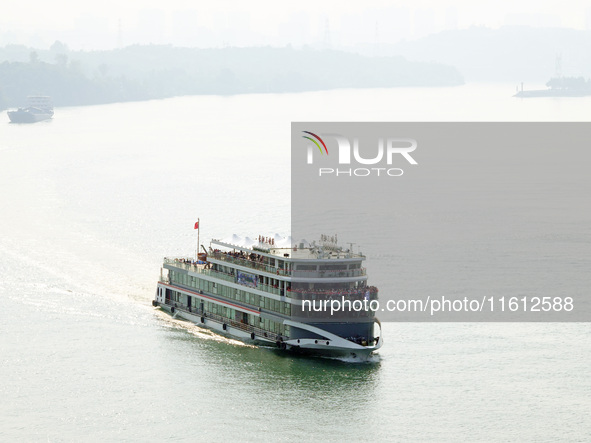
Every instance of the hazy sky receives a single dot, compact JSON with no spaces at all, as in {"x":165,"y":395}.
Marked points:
{"x":111,"y":23}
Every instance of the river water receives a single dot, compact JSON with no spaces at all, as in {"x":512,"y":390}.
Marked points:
{"x":91,"y":202}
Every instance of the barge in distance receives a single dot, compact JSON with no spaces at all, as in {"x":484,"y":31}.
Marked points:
{"x":39,"y":108}
{"x":261,"y":292}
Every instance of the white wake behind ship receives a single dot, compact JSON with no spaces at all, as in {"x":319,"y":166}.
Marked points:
{"x":269,"y":292}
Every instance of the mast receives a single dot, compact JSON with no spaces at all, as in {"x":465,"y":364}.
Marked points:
{"x":197,"y":247}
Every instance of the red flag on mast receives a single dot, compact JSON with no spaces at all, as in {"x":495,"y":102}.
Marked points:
{"x":196,"y":225}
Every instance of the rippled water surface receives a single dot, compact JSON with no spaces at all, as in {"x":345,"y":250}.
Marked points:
{"x":91,"y":202}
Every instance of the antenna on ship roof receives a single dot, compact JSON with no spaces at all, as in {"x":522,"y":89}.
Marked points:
{"x":197,"y":248}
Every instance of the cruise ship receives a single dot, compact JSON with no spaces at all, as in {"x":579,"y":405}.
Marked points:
{"x":268,"y":292}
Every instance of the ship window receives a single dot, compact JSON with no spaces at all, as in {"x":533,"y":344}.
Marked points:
{"x":306,"y":267}
{"x":331,"y":267}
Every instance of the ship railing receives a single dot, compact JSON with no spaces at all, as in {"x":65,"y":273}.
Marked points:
{"x":249,"y":263}
{"x":246,"y":262}
{"x":190,"y":264}
{"x":271,"y":289}
{"x":291,"y":293}
{"x":183,"y":263}
{"x":343,"y":272}
{"x":218,"y":274}
{"x":228,"y":321}
{"x":223,"y":276}
{"x":232,"y":278}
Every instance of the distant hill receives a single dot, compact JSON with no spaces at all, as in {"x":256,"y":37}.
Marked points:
{"x":508,"y":54}
{"x":152,"y":71}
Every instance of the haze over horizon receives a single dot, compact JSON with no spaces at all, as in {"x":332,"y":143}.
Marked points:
{"x":91,"y":53}
{"x":330,"y":24}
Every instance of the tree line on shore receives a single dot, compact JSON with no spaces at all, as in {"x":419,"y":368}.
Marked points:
{"x":144,"y":72}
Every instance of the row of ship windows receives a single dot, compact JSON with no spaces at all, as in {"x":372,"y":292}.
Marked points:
{"x":233,"y":314}
{"x":327,"y":267}
{"x":340,"y":267}
{"x":261,"y":278}
{"x":232,"y":293}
